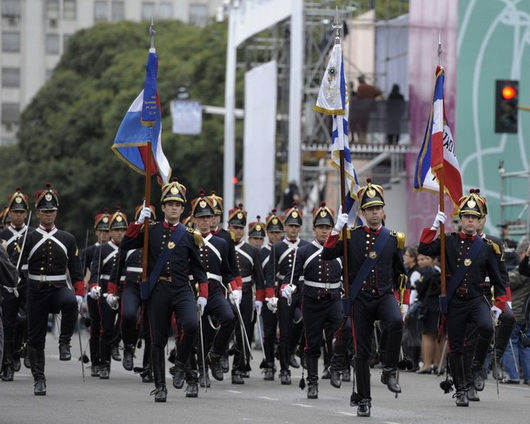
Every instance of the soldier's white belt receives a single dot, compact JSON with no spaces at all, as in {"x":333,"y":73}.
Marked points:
{"x":134,"y":269}
{"x":247,"y":279}
{"x":214,"y":277}
{"x":327,"y":286}
{"x":104,"y":277}
{"x":61,"y":277}
{"x":280,"y":276}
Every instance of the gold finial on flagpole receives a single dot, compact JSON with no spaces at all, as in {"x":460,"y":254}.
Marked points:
{"x":337,"y":26}
{"x":440,"y":49}
{"x":152,"y":32}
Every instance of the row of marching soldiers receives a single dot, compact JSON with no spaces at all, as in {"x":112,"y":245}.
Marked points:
{"x":212,"y":284}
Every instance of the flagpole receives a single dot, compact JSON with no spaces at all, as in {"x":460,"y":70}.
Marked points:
{"x":147,"y":197}
{"x":345,"y":272}
{"x":441,"y":193}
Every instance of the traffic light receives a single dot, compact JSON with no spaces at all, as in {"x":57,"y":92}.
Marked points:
{"x":506,"y":105}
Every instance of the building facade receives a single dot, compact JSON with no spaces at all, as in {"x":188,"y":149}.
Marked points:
{"x":34,"y":34}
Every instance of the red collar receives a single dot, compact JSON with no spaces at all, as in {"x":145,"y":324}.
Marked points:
{"x":166,"y":225}
{"x":464,"y":236}
{"x":370,"y":231}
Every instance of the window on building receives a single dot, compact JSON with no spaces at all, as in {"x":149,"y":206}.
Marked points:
{"x":10,"y":42}
{"x":52,"y":9}
{"x":165,"y":10}
{"x":10,"y":113}
{"x":199,"y":14}
{"x":11,"y":8}
{"x":101,"y":11}
{"x":69,"y":9}
{"x":52,"y":43}
{"x":11,"y":77}
{"x":117,"y":11}
{"x":66,"y":38}
{"x":148,"y":10}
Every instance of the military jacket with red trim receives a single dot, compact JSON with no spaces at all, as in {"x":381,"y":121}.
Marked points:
{"x":248,"y":262}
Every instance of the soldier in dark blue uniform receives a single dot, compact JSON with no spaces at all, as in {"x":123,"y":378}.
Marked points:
{"x":49,"y":254}
{"x":248,"y":265}
{"x":469,"y":259}
{"x":125,"y":279}
{"x":105,"y":259}
{"x":321,"y":293}
{"x":92,"y":253}
{"x":171,"y":289}
{"x":214,"y":255}
{"x":14,"y":299}
{"x":282,"y":261}
{"x":376,"y":270}
{"x":274,"y":227}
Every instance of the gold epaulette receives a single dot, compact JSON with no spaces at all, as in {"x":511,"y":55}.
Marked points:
{"x":197,"y":237}
{"x":401,"y":237}
{"x":232,"y":236}
{"x":495,"y":246}
{"x":348,"y":233}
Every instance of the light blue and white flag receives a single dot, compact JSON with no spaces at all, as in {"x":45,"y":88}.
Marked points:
{"x":332,"y":101}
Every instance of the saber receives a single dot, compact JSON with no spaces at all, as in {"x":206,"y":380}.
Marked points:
{"x":24,"y":241}
{"x":494,"y":352}
{"x":81,"y":350}
{"x":243,"y":331}
{"x":291,"y":285}
{"x":204,"y":370}
{"x":514,"y":358}
{"x":258,"y":320}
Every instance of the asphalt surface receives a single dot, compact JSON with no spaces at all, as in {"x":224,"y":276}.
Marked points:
{"x":125,"y":399}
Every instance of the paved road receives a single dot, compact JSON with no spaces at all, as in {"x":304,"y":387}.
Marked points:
{"x":124,"y":399}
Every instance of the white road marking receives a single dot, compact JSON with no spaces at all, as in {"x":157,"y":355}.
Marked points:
{"x":303,"y":405}
{"x":233,"y":391}
{"x":266,"y":398}
{"x":349,"y":414}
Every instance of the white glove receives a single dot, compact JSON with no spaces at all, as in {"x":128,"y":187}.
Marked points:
{"x":509,"y":303}
{"x":235,"y":297}
{"x":342,"y":220}
{"x":201,"y":304}
{"x":440,"y":218}
{"x":112,"y":300}
{"x":496,"y":313}
{"x":144,"y":213}
{"x":12,"y":290}
{"x":95,"y":292}
{"x":404,"y":311}
{"x":79,"y":302}
{"x":258,"y":304}
{"x":288,"y":291}
{"x":272,"y":304}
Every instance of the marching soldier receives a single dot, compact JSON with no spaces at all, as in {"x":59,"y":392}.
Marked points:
{"x":282,"y":261}
{"x":249,"y":267}
{"x":125,"y":279}
{"x":321,"y":294}
{"x":214,"y":256}
{"x":376,"y":269}
{"x":93,"y":253}
{"x":49,"y":254}
{"x":99,"y":288}
{"x":274,"y":227}
{"x":469,"y":259}
{"x":14,"y":298}
{"x":173,"y":255}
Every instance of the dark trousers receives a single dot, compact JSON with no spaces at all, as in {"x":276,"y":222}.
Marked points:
{"x":130,"y":308}
{"x":318,"y":314}
{"x":342,"y":345}
{"x":95,"y":330}
{"x":221,"y":314}
{"x":366,"y":310}
{"x":107,"y":322}
{"x":241,"y":362}
{"x":270,"y":324}
{"x":45,"y":299}
{"x":10,"y":306}
{"x":285,"y":322}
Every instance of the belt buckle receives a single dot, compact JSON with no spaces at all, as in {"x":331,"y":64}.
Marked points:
{"x":462,"y":291}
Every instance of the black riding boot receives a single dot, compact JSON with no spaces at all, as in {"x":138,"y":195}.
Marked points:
{"x":159,"y":373}
{"x":312,"y":377}
{"x":37,"y":370}
{"x":481,"y":350}
{"x":456,"y":363}
{"x":362,"y":374}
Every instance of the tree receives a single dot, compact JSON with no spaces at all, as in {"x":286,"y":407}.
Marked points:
{"x":67,"y":130}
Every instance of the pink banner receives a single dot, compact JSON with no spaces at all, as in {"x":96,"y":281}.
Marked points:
{"x":428,"y":19}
